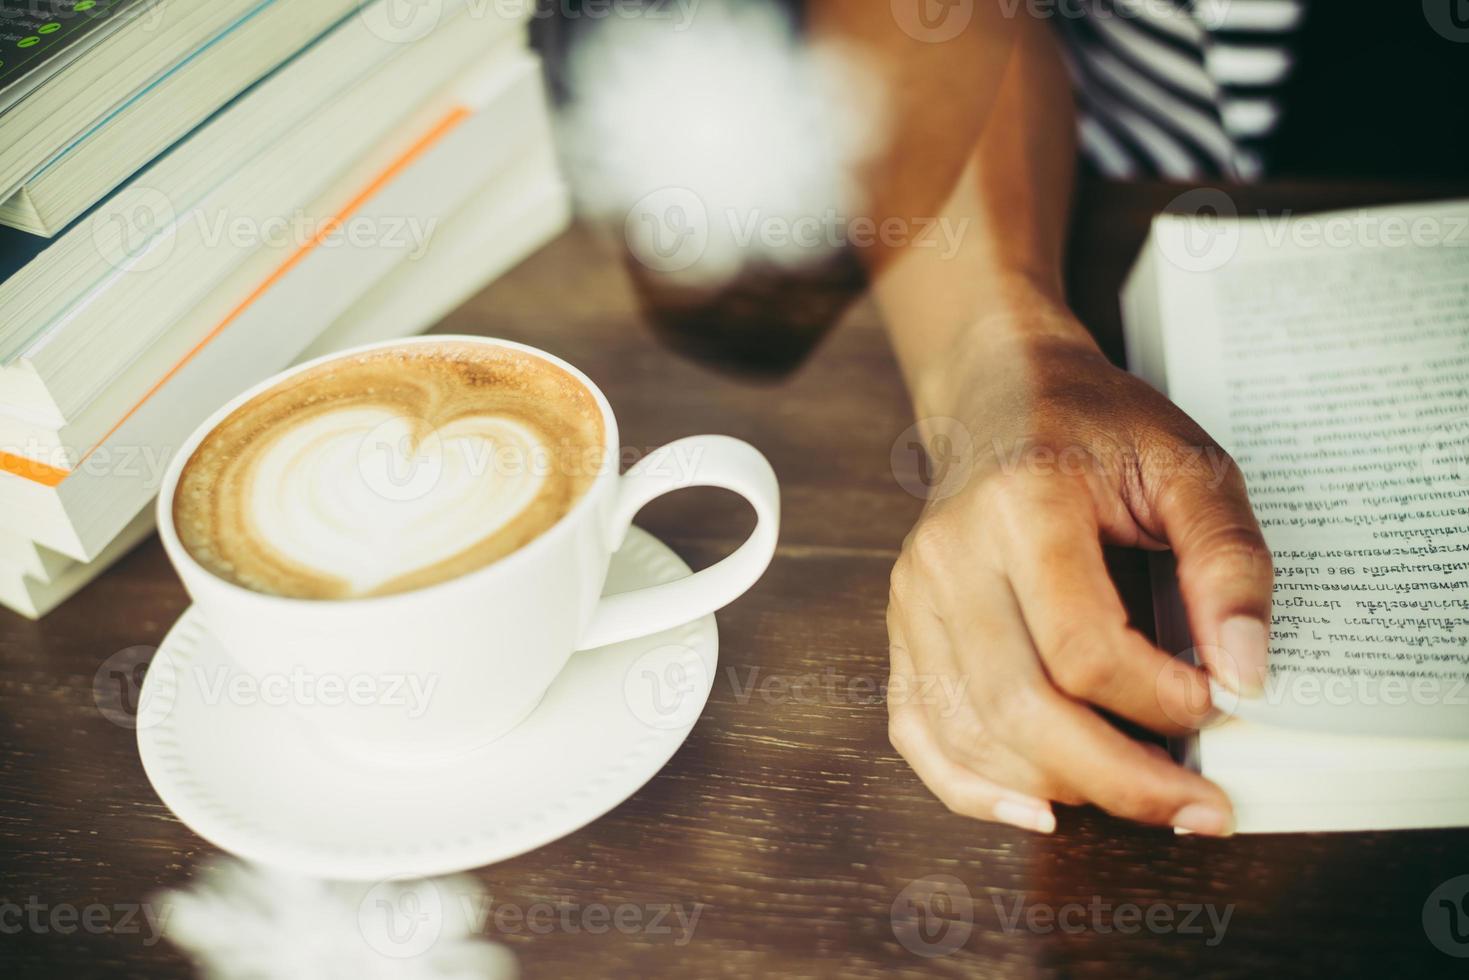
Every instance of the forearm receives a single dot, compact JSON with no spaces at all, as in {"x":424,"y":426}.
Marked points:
{"x":999,"y":184}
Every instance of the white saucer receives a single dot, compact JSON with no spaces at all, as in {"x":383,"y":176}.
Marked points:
{"x":254,"y":780}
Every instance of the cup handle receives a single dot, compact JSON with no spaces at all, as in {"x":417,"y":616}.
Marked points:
{"x":718,"y":461}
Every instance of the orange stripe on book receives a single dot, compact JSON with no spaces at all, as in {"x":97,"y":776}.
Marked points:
{"x":51,"y":476}
{"x":32,"y":469}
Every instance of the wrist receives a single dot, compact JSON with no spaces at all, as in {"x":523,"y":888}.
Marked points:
{"x":998,"y":342}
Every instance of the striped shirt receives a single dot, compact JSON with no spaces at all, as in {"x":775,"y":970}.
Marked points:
{"x":1179,"y":89}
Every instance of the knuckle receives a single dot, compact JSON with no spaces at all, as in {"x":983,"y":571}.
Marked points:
{"x":1067,"y":796}
{"x":1014,"y":707}
{"x":1082,"y":665}
{"x":1140,"y":802}
{"x":901,"y":734}
{"x":1216,"y":459}
{"x":961,"y":804}
{"x":1234,"y":548}
{"x":902,"y":580}
{"x":1011,"y":496}
{"x":930,"y":544}
{"x":1022,"y":506}
{"x":1052,"y":786}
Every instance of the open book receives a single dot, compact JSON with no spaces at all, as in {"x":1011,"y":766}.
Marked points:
{"x":1329,"y":354}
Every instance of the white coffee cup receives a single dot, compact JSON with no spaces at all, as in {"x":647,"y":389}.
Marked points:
{"x":488,"y":644}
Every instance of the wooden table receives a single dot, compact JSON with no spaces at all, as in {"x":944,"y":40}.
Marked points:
{"x":786,"y":815}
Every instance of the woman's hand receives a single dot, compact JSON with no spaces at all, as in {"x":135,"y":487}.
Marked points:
{"x":1001,"y":600}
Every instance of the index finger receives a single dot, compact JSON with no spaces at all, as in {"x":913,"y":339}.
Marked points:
{"x":1224,"y":570}
{"x":1079,"y":625}
{"x":1070,"y":743}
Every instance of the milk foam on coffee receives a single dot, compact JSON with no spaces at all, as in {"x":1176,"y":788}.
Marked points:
{"x":389,"y":471}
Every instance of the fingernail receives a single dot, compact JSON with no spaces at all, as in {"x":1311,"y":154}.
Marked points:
{"x":1247,"y":641}
{"x":1201,"y":818}
{"x":1025,"y":816}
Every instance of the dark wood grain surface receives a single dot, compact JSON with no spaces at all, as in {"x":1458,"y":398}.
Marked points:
{"x":786,"y":816}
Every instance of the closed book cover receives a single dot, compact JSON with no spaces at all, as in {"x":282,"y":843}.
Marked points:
{"x":37,"y":38}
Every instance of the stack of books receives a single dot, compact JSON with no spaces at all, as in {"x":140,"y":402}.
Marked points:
{"x":198,"y":195}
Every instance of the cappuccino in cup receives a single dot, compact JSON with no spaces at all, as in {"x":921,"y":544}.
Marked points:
{"x":388,"y":471}
{"x":441,"y":507}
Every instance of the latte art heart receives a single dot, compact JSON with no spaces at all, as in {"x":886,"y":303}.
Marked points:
{"x":389,"y":471}
{"x":364,"y":496}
